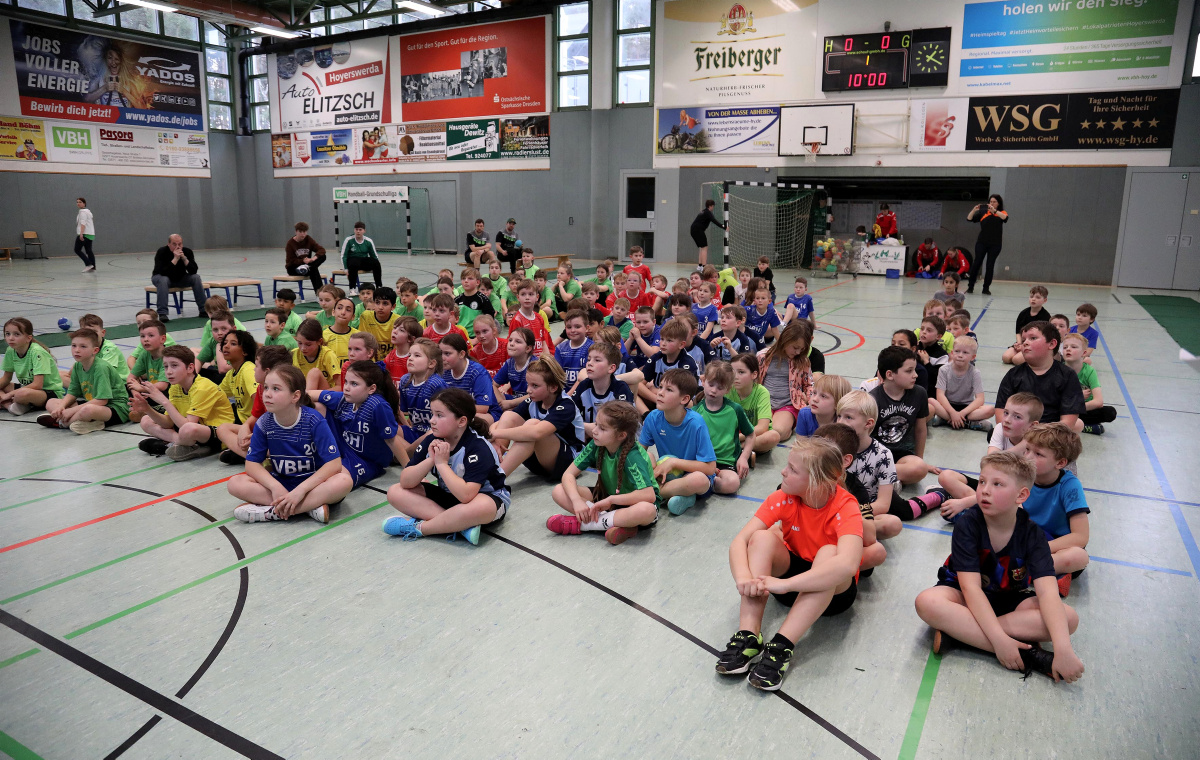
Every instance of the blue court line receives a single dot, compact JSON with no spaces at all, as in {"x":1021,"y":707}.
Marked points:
{"x":1094,"y":558}
{"x":1110,"y":493}
{"x":981,"y":313}
{"x":1185,"y":532}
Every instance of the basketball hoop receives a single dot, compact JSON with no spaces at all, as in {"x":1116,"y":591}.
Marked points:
{"x":811,"y":151}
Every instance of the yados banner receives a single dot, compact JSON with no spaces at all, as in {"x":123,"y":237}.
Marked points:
{"x":332,"y":85}
{"x":719,"y":52}
{"x":734,"y":131}
{"x":482,"y":70}
{"x":64,"y":74}
{"x":22,"y":139}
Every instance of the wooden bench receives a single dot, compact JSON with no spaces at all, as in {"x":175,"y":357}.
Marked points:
{"x":177,"y":294}
{"x":6,"y":252}
{"x":562,"y":259}
{"x":233,"y":285}
{"x":299,"y":279}
{"x":334,"y":275}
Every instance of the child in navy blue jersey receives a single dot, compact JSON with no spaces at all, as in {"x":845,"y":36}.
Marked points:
{"x":306,"y":469}
{"x":470,"y":489}
{"x":363,"y":419}
{"x":510,"y":378}
{"x":418,"y":387}
{"x":545,"y":431}
{"x":459,"y":371}
{"x":572,"y":353}
{"x":643,"y":340}
{"x":762,"y":322}
{"x":600,"y":386}
{"x":799,"y":304}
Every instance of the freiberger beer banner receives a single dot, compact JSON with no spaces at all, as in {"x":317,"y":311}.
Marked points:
{"x":339,"y":84}
{"x":63,"y":74}
{"x":719,"y":52}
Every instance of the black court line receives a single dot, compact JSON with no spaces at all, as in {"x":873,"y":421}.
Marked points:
{"x":837,"y":342}
{"x":1114,"y":295}
{"x":790,"y":700}
{"x":139,"y":691}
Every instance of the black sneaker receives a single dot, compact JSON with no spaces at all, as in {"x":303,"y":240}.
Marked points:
{"x":153,"y":446}
{"x":231,"y":457}
{"x":163,"y":318}
{"x":1096,"y":429}
{"x":987,"y":292}
{"x":743,"y":649}
{"x":1038,"y":660}
{"x":769,"y":672}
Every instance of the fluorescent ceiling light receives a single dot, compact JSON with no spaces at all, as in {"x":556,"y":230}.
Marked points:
{"x":271,"y":31}
{"x":419,"y":7}
{"x":151,"y":5}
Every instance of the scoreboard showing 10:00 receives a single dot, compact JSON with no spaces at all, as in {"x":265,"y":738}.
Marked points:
{"x":885,"y":60}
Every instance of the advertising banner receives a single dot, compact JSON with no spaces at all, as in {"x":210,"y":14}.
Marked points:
{"x":333,"y":84}
{"x":473,"y":71}
{"x":737,"y":131}
{"x":401,"y":143}
{"x":128,"y":147}
{"x":330,"y":148}
{"x":479,"y":138}
{"x":73,"y":144}
{"x":371,"y":194}
{"x":718,"y":52}
{"x":1018,"y":46}
{"x":22,"y":139}
{"x":281,"y":151}
{"x":64,"y":74}
{"x":1122,"y":120}
{"x":938,"y":126}
{"x":182,"y":149}
{"x":525,"y":138}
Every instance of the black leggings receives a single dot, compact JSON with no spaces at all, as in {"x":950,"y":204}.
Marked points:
{"x":359,"y":264}
{"x":314,"y":276}
{"x":512,"y":258}
{"x":992,"y":252}
{"x":1097,"y":416}
{"x":83,"y":249}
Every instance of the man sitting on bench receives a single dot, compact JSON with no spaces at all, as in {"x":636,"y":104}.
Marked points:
{"x":175,"y":267}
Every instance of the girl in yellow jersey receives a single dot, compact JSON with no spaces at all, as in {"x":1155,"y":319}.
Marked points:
{"x":312,"y":357}
{"x":239,"y":385}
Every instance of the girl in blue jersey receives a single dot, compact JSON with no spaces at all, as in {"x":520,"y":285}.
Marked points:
{"x":521,"y":344}
{"x":307,"y":473}
{"x":363,"y":419}
{"x":470,"y":489}
{"x":546,"y":431}
{"x":417,"y":388}
{"x":460,"y":372}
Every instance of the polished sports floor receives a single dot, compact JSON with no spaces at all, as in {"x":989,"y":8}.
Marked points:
{"x":140,"y":620}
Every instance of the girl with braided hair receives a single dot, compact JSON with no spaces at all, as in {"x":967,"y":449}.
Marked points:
{"x":625,"y":493}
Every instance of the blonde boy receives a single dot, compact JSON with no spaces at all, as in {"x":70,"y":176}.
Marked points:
{"x":959,"y":401}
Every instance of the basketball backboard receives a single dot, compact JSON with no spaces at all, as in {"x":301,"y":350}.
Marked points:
{"x":830,"y":125}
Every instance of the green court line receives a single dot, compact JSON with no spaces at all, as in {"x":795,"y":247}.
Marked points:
{"x":15,"y":749}
{"x":916,"y":722}
{"x":68,"y":464}
{"x":848,"y":303}
{"x":112,"y":562}
{"x":80,"y":488}
{"x":192,"y":584}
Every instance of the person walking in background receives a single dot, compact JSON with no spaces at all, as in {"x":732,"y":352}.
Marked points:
{"x":304,"y":256}
{"x":175,"y":267}
{"x":991,"y":236}
{"x":85,"y":233}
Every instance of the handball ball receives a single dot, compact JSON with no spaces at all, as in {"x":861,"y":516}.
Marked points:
{"x":518,"y":244}
{"x":64,"y":324}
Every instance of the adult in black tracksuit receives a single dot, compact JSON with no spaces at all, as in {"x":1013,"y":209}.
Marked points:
{"x":506,"y":245}
{"x":991,"y":236}
{"x":699,"y":229}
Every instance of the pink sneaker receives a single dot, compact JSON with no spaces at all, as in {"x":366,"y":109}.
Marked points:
{"x":566,"y":525}
{"x":619,"y":535}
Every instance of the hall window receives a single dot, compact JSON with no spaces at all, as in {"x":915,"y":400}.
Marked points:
{"x":572,"y":56}
{"x":634,"y":52}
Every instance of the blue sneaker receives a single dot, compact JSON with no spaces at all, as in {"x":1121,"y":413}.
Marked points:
{"x":677,"y":505}
{"x":472,"y":535}
{"x":405,"y":527}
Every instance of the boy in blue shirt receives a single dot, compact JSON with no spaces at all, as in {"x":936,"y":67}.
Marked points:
{"x":730,"y":340}
{"x":572,"y":353}
{"x":800,"y":303}
{"x":1056,"y":501}
{"x":1085,"y":315}
{"x":685,"y":462}
{"x":705,"y":309}
{"x":762,"y":322}
{"x":642,"y":343}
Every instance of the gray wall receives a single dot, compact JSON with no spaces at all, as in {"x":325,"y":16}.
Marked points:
{"x":1063,"y":229}
{"x":1187,"y":146}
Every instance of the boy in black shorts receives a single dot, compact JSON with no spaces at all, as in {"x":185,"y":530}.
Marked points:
{"x":903,"y":412}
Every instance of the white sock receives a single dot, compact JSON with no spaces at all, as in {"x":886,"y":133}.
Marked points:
{"x":595,"y":525}
{"x":606,"y":519}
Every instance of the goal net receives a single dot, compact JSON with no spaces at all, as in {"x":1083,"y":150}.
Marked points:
{"x":765,"y":219}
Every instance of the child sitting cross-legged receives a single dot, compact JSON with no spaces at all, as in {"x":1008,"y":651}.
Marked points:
{"x":148,"y":367}
{"x":997,"y":590}
{"x":460,"y":372}
{"x":903,"y":411}
{"x":959,"y":401}
{"x":626,"y":493}
{"x":509,"y":381}
{"x":239,"y":384}
{"x":729,"y":341}
{"x":822,"y":403}
{"x":572,"y":353}
{"x":875,"y":469}
{"x":96,"y":395}
{"x":755,"y":401}
{"x":235,"y":436}
{"x":670,"y":356}
{"x":1056,"y":501}
{"x":194,"y":407}
{"x":418,"y":386}
{"x":811,"y":566}
{"x":1020,"y":414}
{"x":1095,"y":414}
{"x":1035,"y":312}
{"x":685,"y":463}
{"x":314,"y":359}
{"x":931,"y":353}
{"x":786,"y":370}
{"x":441,"y":315}
{"x":528,"y":316}
{"x":337,"y":335}
{"x":404,"y":333}
{"x":362,"y":417}
{"x":306,"y":474}
{"x":729,"y":428}
{"x":470,"y":490}
{"x":545,"y":431}
{"x":600,"y":384}
{"x":490,"y":349}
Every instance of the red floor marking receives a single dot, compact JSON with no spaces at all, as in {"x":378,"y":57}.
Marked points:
{"x":61,"y":531}
{"x":861,"y":339}
{"x":827,"y":287}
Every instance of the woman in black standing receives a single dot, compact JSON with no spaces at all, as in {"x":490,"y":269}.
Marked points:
{"x":991,"y":238}
{"x":699,"y":234}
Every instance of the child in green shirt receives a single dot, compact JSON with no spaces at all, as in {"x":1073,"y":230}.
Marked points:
{"x":273,"y":322}
{"x":30,"y":375}
{"x":410,"y":305}
{"x":105,"y":398}
{"x":755,"y":401}
{"x":144,"y":317}
{"x":327,"y":296}
{"x":110,"y":354}
{"x":285,"y":300}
